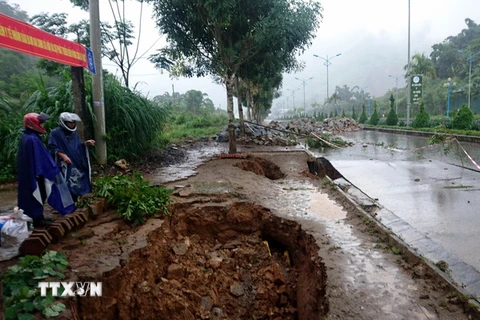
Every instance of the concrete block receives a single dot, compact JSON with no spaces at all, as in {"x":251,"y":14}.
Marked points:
{"x":33,"y":246}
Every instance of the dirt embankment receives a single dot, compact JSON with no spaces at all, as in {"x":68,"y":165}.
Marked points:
{"x":243,"y":242}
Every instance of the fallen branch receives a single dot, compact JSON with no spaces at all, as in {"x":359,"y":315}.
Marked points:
{"x":325,"y":141}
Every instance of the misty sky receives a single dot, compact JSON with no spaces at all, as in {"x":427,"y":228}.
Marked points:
{"x":371,"y":35}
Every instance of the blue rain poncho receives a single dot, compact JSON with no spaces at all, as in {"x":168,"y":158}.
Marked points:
{"x":39,"y":179}
{"x":77,"y":174}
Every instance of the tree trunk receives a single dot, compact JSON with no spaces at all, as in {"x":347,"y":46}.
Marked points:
{"x":252,"y":106}
{"x":232,"y":143}
{"x":78,"y":87}
{"x":240,"y":107}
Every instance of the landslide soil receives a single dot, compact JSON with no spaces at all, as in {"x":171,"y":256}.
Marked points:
{"x":241,"y":245}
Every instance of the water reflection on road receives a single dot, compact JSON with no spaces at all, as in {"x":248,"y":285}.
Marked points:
{"x":434,"y":191}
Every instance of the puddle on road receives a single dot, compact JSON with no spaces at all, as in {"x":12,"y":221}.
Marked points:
{"x":322,"y":208}
{"x":187,"y":168}
{"x":363,"y":271}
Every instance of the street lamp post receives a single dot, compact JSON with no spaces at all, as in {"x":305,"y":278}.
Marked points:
{"x":409,"y":85}
{"x":303,"y":82}
{"x":396,"y":92}
{"x":293,"y":96}
{"x":327,"y":63}
{"x":448,"y":84}
{"x":368,"y":100}
{"x":470,"y":57}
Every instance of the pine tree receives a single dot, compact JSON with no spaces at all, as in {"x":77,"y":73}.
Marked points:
{"x":354,"y":115}
{"x":363,"y":116}
{"x":375,"y":118}
{"x":343,"y":114}
{"x":392,"y":118}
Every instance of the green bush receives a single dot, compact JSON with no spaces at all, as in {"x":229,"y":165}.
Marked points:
{"x":374,"y":118}
{"x":392,"y":118}
{"x":422,"y":119}
{"x":363,"y":116}
{"x":463,"y":119}
{"x":133,"y":198}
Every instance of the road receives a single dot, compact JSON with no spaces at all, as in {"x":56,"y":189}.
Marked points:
{"x":430,"y":195}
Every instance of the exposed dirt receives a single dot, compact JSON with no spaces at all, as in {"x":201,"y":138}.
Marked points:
{"x":216,"y":261}
{"x":239,"y":245}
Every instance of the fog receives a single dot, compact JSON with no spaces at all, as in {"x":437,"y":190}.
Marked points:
{"x":371,"y":36}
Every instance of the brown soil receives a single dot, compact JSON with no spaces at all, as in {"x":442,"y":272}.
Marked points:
{"x":234,"y":261}
{"x":239,"y":245}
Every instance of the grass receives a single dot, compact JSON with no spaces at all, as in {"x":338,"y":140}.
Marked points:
{"x":186,"y":126}
{"x":457,"y":187}
{"x":475,"y":133}
{"x":396,"y":250}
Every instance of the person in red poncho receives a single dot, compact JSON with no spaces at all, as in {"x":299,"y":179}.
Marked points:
{"x":39,"y":178}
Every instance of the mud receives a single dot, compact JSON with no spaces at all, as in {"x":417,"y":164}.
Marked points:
{"x":234,"y":261}
{"x":208,"y":260}
{"x":261,"y":167}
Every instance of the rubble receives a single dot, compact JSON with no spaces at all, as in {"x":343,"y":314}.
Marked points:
{"x":287,"y":133}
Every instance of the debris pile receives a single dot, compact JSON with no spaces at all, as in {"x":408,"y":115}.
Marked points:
{"x":287,"y":133}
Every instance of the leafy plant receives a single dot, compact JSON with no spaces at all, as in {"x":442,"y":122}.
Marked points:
{"x":315,"y":143}
{"x":20,"y":282}
{"x":422,"y":119}
{"x":375,"y":117}
{"x":463,"y":119}
{"x":133,"y":198}
{"x":354,"y":115}
{"x":392,"y":118}
{"x":363,"y":116}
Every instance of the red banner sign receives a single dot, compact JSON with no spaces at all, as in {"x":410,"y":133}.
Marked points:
{"x":20,"y":36}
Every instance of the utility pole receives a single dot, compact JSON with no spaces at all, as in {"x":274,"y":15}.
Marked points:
{"x":327,"y":63}
{"x":97,"y":83}
{"x":396,"y":92}
{"x":303,"y":82}
{"x":409,"y":85}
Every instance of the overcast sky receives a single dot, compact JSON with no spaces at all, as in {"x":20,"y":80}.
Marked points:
{"x":366,"y":32}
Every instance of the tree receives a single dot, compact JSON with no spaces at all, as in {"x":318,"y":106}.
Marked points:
{"x":374,"y":118}
{"x":421,"y":64}
{"x":354,"y":115}
{"x":116,"y":40}
{"x":422,"y":119}
{"x":363,"y":116}
{"x":463,"y":119}
{"x":219,"y":36}
{"x":392,"y":118}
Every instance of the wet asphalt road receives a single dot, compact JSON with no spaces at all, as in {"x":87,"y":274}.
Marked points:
{"x":427,"y":189}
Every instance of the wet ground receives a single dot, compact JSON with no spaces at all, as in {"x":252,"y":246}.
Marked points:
{"x":430,"y":196}
{"x":366,"y":279}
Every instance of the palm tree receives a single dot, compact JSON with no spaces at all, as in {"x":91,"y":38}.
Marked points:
{"x":421,"y":64}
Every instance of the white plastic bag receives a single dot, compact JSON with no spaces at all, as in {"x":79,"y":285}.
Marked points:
{"x":14,"y":231}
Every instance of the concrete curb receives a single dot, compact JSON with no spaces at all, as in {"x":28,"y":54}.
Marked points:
{"x":471,"y":305}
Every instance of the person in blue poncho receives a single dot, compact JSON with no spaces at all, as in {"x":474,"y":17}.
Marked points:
{"x":71,"y":154}
{"x":39,"y":178}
